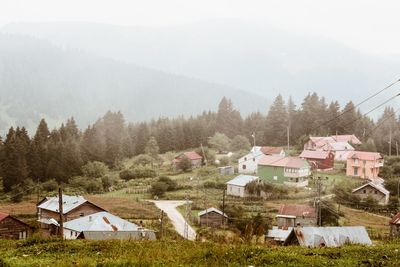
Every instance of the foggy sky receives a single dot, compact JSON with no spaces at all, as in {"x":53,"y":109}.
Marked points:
{"x":368,"y":26}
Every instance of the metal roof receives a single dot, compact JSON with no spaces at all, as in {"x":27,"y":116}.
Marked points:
{"x":100,"y":221}
{"x":69,"y":203}
{"x":313,"y":154}
{"x":288,"y":162}
{"x":377,"y":186}
{"x":332,"y":236}
{"x":279,"y":234}
{"x":242,"y":180}
{"x":120,"y":235}
{"x":212,"y":209}
{"x":298,"y":210}
{"x":395,"y":219}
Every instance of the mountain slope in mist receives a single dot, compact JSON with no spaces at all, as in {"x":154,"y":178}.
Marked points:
{"x":249,"y":56}
{"x":39,"y":79}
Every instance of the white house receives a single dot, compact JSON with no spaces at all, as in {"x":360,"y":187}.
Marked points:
{"x":104,"y":225}
{"x":248,"y":163}
{"x":236,"y":186}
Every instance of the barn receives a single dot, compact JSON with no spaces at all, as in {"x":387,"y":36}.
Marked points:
{"x":12,"y":228}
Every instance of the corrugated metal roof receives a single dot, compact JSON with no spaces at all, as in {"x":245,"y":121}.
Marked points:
{"x":242,"y":180}
{"x":212,"y":209}
{"x":340,"y":146}
{"x":298,"y":210}
{"x":69,"y":203}
{"x":363,"y":155}
{"x":49,"y":221}
{"x":3,"y":216}
{"x":332,"y":236}
{"x":279,"y":234}
{"x":395,"y":219}
{"x":289,"y":162}
{"x":377,"y":186}
{"x":313,"y":154}
{"x":100,"y":221}
{"x":270,"y":150}
{"x":120,"y":235}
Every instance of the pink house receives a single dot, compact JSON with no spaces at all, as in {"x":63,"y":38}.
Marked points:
{"x":364,"y":164}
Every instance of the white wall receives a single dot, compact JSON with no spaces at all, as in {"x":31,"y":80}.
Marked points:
{"x":234,"y":190}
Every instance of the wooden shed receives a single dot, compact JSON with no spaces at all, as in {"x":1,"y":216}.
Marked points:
{"x":12,"y":228}
{"x":212,"y":217}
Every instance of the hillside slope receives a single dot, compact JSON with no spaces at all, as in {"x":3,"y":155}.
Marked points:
{"x":39,"y":79}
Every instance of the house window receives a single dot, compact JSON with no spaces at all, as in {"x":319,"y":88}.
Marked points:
{"x":245,"y":159}
{"x":230,"y":188}
{"x":364,"y":191}
{"x":244,"y":167}
{"x":254,"y":159}
{"x":82,"y":214}
{"x":355,"y":171}
{"x":376,"y":192}
{"x":364,"y":162}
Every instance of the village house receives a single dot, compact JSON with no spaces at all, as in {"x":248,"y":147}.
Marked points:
{"x":320,"y":236}
{"x":319,"y":160}
{"x":12,"y":228}
{"x":322,"y":142}
{"x":294,"y":214}
{"x":373,"y":190}
{"x":226,"y":170}
{"x":340,"y":145}
{"x":104,"y":226}
{"x":248,"y":163}
{"x":212,"y":217}
{"x":194,"y":158}
{"x":73,"y":208}
{"x":395,"y":226}
{"x":292,"y":171}
{"x":364,"y":164}
{"x":237,"y":186}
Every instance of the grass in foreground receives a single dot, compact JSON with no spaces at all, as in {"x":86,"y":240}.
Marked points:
{"x":185,"y":253}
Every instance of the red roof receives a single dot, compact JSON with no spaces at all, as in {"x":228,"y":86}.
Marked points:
{"x":312,"y":154}
{"x":269,"y":150}
{"x":291,"y":162}
{"x":395,"y":219}
{"x":363,"y":155}
{"x":298,"y":210}
{"x":190,"y":155}
{"x":3,"y":216}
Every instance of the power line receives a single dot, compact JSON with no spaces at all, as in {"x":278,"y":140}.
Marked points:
{"x":359,"y":104}
{"x":382,"y":122}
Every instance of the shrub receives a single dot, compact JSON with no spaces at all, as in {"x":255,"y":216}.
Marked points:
{"x":143,"y":160}
{"x":172,"y":185}
{"x":158,"y":189}
{"x":224,"y":161}
{"x":185,"y":164}
{"x":94,"y":169}
{"x":50,"y":185}
{"x":137,"y":172}
{"x":16,"y":194}
{"x":86,"y":184}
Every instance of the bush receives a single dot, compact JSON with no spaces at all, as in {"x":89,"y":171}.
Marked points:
{"x":224,"y":161}
{"x":86,"y":184}
{"x":172,"y":185}
{"x":185,"y":164}
{"x":158,"y":189}
{"x":94,"y":169}
{"x":137,"y":172}
{"x":16,"y":194}
{"x":143,"y":160}
{"x":50,"y":185}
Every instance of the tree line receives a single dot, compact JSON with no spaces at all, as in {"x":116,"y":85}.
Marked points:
{"x":60,"y":153}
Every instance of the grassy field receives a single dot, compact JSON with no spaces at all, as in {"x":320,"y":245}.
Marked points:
{"x":185,"y":253}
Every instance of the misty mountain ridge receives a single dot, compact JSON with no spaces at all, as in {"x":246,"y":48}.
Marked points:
{"x":256,"y":58}
{"x":39,"y":79}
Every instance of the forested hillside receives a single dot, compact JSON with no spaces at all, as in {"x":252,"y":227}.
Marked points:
{"x":39,"y":80}
{"x":60,"y":153}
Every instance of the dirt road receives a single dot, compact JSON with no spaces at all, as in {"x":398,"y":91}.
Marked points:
{"x":169,"y":207}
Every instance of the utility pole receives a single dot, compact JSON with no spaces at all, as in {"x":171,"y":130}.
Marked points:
{"x":318,"y":200}
{"x":397,"y":149}
{"x":254,"y":138}
{"x":186,"y":229}
{"x":204,"y":154}
{"x":60,"y":210}
{"x":390,"y":141}
{"x":223,"y":207}
{"x":161,"y":224}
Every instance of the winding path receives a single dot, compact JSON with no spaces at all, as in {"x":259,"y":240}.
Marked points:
{"x":178,"y":221}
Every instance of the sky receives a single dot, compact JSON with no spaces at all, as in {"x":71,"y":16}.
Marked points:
{"x":368,"y":26}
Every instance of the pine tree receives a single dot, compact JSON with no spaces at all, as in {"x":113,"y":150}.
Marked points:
{"x":276,"y":123}
{"x":152,"y":148}
{"x":38,"y":154}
